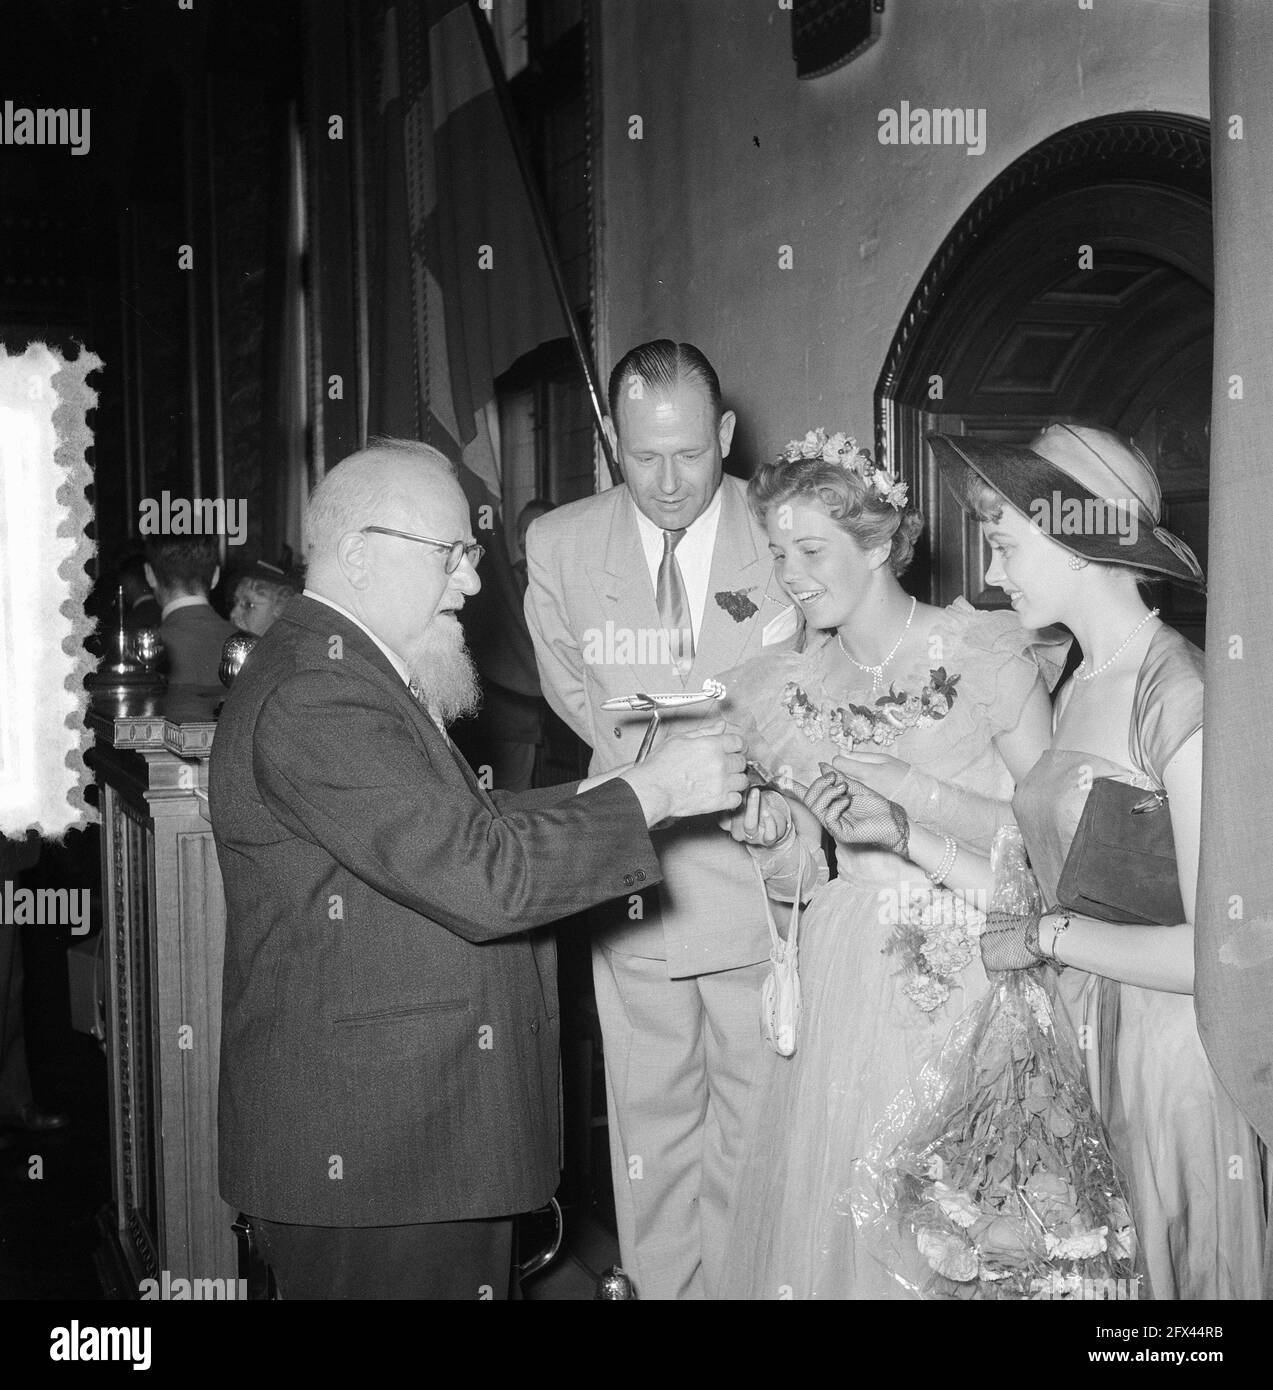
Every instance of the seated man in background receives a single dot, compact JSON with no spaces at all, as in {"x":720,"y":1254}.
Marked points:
{"x":261,"y":593}
{"x":183,"y":570}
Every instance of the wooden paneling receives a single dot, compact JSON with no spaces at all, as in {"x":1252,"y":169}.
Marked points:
{"x":165,"y":937}
{"x":1076,"y":288}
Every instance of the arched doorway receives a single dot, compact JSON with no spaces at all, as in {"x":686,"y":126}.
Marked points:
{"x":1077,"y":287}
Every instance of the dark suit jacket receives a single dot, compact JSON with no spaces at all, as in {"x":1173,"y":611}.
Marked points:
{"x":193,"y":638}
{"x":144,"y":613}
{"x":389,"y":1034}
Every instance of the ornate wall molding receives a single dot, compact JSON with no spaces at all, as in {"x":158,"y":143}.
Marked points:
{"x":1169,"y":150}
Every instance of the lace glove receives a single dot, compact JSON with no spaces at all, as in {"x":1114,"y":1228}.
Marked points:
{"x":1010,"y":941}
{"x":853,"y":814}
{"x":945,"y":807}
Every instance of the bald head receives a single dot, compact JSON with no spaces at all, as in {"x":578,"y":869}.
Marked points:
{"x":386,"y":484}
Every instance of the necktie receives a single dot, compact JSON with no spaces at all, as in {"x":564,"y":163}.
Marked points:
{"x":674,"y":605}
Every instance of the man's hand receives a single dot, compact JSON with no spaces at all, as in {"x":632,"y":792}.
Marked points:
{"x":691,"y":774}
{"x":762,"y":820}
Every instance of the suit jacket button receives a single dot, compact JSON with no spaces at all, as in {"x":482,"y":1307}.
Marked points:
{"x":618,"y":733}
{"x":534,"y":1027}
{"x":640,"y":875}
{"x":628,"y":880}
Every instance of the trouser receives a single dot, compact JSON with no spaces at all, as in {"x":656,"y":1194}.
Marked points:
{"x":431,"y":1260}
{"x":680,"y":1057}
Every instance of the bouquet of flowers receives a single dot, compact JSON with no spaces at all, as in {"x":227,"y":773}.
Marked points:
{"x":996,"y":1181}
{"x":936,"y":936}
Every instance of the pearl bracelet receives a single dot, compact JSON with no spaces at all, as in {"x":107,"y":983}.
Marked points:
{"x":937,"y":876}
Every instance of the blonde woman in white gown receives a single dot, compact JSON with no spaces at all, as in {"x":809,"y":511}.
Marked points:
{"x":972,"y":715}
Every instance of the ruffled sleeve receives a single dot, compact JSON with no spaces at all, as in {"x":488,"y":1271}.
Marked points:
{"x":1167,"y":710}
{"x":754,"y":705}
{"x":1001,"y":662}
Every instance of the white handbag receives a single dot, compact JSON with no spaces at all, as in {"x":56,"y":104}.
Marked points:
{"x":780,"y":994}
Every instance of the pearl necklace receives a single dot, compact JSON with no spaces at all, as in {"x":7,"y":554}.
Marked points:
{"x":1105,"y":665}
{"x":876,"y":673}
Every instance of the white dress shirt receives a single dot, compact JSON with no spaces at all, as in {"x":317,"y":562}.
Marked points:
{"x":693,"y":555}
{"x":185,"y":601}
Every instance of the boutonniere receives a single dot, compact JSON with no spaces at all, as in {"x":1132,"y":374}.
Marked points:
{"x":884,"y":723}
{"x":736,"y":603}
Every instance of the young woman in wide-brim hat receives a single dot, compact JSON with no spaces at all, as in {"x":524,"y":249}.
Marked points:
{"x":1073,"y":523}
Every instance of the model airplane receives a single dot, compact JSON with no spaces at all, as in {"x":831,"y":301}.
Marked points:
{"x":712,"y":690}
{"x":643,"y":702}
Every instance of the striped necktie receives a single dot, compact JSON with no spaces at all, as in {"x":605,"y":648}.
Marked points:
{"x":674,"y":605}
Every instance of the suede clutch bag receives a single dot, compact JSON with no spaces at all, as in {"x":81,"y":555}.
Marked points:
{"x":1122,"y":863}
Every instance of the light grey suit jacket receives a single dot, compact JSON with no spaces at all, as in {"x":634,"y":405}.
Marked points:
{"x":593,"y":616}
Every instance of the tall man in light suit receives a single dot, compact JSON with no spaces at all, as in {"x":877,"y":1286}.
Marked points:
{"x":655,"y":586}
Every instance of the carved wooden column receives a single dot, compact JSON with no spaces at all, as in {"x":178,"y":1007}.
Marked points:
{"x":165,"y":938}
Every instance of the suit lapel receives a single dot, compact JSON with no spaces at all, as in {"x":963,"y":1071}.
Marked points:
{"x":461,"y":761}
{"x":432,"y":734}
{"x":321,"y":619}
{"x":741,"y":571}
{"x":741,"y":574}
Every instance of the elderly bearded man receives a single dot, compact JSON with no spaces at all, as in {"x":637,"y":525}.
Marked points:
{"x":389,"y":1038}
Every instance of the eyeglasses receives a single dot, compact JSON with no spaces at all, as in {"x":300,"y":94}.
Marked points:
{"x":455,"y":550}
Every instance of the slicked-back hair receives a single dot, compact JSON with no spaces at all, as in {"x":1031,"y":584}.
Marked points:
{"x":661,"y":366}
{"x":185,"y":562}
{"x":351,"y":495}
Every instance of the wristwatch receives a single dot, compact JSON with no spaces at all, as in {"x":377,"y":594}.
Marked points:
{"x":1032,"y":935}
{"x":1057,"y":932}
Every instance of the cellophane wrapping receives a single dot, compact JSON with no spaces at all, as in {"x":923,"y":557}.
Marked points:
{"x":993,"y":1179}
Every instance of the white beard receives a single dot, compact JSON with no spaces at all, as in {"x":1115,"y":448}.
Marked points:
{"x":441,"y":666}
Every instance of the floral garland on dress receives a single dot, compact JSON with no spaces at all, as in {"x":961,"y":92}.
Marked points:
{"x":892,"y":715}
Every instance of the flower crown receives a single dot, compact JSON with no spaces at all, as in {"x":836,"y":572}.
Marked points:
{"x":842,"y":449}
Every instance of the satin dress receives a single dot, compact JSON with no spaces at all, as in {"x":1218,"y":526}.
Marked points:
{"x":1191,"y":1161}
{"x":863,"y":1042}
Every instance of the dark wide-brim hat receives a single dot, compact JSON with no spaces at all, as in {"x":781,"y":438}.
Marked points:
{"x":261,"y":572}
{"x":1087,"y":489}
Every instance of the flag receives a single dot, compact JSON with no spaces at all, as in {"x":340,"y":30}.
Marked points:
{"x":461,"y":286}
